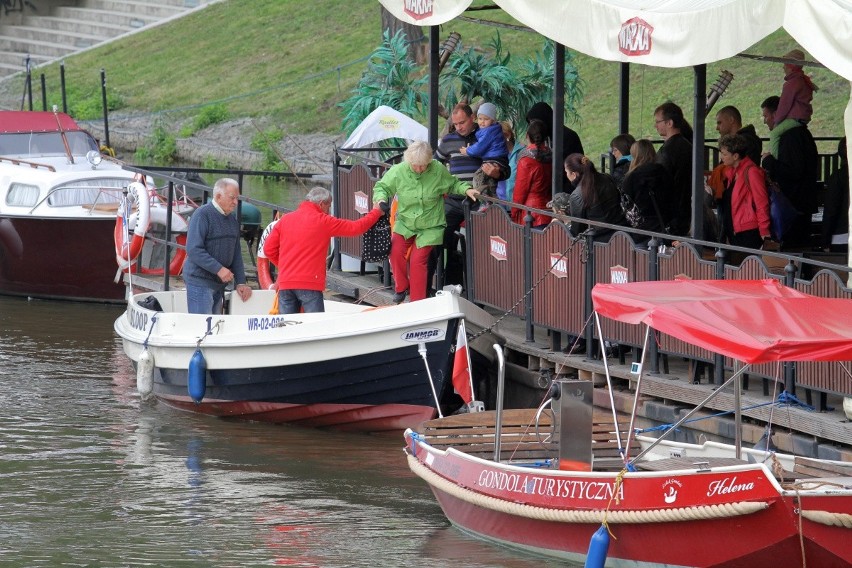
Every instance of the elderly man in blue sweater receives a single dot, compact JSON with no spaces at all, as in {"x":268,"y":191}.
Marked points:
{"x":213,"y":255}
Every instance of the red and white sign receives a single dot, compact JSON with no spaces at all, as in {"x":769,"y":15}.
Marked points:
{"x":618,"y":275}
{"x":558,"y":265}
{"x":499,"y":248}
{"x":362,"y":202}
{"x":418,"y":9}
{"x":635,"y":37}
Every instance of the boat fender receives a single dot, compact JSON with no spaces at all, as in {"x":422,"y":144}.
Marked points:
{"x":196,"y":380}
{"x":145,"y":374}
{"x":598,"y":546}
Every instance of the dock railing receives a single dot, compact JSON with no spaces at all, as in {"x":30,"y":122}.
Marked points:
{"x":546,"y":276}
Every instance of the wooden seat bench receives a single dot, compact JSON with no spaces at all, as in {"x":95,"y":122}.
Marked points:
{"x":474,"y":434}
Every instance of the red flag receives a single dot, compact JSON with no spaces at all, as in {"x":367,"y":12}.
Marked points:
{"x":462,"y":382}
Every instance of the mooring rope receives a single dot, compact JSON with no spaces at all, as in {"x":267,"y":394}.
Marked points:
{"x":681,"y":514}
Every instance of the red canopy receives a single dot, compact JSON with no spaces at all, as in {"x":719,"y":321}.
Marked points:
{"x":12,"y":121}
{"x":754,"y":321}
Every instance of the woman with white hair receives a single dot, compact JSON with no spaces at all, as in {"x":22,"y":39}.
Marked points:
{"x":419,"y":184}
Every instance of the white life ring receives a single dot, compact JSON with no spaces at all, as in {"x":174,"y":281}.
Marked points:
{"x":158,"y":216}
{"x":127,"y":249}
{"x":264,"y":271}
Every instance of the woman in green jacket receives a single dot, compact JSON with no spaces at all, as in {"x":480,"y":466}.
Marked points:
{"x":419,"y":184}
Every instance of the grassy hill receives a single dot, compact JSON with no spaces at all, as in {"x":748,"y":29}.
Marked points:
{"x":295,"y":61}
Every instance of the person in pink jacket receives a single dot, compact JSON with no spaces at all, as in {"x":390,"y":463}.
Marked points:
{"x":298,"y":246}
{"x":745,"y":200}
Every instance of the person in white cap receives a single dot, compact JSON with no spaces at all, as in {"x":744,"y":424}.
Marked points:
{"x":797,"y":92}
{"x":490,"y":147}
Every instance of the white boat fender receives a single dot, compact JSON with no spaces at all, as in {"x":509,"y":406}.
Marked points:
{"x":598,"y":547}
{"x":196,"y":378}
{"x":145,"y":374}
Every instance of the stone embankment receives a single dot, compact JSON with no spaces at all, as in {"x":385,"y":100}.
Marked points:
{"x":228,"y":143}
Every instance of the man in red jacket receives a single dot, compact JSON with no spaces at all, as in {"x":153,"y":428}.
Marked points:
{"x":298,"y":245}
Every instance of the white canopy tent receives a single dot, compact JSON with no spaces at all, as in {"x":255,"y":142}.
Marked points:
{"x":382,"y":124}
{"x":668,"y":33}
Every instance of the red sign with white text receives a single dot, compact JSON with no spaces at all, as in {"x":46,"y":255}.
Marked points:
{"x":498,"y":248}
{"x":635,"y":37}
{"x":362,"y":202}
{"x":418,"y":9}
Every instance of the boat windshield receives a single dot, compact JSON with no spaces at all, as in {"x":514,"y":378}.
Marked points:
{"x":46,"y":144}
{"x":88,"y":192}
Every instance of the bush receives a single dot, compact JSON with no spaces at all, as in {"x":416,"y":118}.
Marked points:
{"x":209,"y":115}
{"x":159,"y":149}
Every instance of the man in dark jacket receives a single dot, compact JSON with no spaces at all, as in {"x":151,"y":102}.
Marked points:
{"x":730,"y":121}
{"x":463,"y":133}
{"x":213,"y":255}
{"x":676,"y":156}
{"x":795,"y":170}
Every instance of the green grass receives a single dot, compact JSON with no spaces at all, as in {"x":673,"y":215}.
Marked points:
{"x":293,"y":62}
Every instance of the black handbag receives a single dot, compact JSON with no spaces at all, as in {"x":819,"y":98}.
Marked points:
{"x":376,"y":243}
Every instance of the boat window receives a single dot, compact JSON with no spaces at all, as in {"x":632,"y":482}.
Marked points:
{"x":22,"y":195}
{"x":46,"y":144}
{"x":87,"y":192}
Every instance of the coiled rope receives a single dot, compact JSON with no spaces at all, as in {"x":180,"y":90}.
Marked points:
{"x":701,"y":512}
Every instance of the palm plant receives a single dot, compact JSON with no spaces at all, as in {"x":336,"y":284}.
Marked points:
{"x":395,"y":80}
{"x":391,"y":79}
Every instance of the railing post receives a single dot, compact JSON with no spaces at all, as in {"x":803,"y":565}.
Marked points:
{"x":169,"y":209}
{"x":468,"y":256}
{"x":62,"y":87}
{"x":106,"y":110}
{"x":43,"y":93}
{"x":528,"y":278}
{"x":589,"y":277}
{"x":718,"y":360}
{"x":790,"y":366}
{"x":653,"y":275}
{"x":337,"y":263}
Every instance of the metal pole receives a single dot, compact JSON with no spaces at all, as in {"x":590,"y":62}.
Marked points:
{"x":106,"y":111}
{"x":169,"y":208}
{"x":421,"y":348}
{"x":624,"y":98}
{"x":556,"y":140}
{"x":62,"y":87}
{"x":29,"y":84}
{"x":700,"y":102}
{"x":434,"y":73}
{"x":501,"y":387}
{"x":528,"y":279}
{"x":43,"y":93}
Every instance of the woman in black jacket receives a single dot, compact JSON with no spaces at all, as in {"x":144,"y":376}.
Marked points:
{"x":595,"y":197}
{"x":649,"y":185}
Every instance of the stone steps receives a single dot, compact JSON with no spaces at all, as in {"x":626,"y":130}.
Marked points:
{"x":58,"y":28}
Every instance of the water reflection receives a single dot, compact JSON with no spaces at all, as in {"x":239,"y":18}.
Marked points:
{"x":89,"y":473}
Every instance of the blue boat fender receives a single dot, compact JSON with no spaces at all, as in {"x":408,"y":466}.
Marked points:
{"x":196,"y":379}
{"x":145,"y":374}
{"x":598,"y":547}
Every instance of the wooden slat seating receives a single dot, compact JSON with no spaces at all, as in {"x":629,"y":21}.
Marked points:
{"x":808,"y":467}
{"x":474,"y":435}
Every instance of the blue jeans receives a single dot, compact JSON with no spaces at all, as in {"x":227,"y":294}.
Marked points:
{"x":289,"y":301}
{"x":203,"y":300}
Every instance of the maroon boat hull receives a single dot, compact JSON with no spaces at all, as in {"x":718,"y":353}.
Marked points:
{"x":340,"y":417}
{"x":54,"y":258}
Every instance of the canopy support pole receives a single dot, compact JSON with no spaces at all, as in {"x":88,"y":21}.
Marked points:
{"x":434,"y":72}
{"x":698,"y":407}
